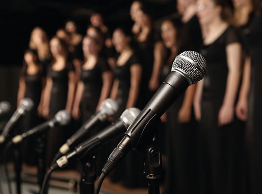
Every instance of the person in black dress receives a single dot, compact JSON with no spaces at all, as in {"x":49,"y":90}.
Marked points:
{"x":125,"y":91}
{"x":95,"y":82}
{"x":59,"y":94}
{"x":220,"y":132}
{"x":252,"y":94}
{"x":39,"y":41}
{"x":30,"y":86}
{"x":150,"y":49}
{"x":180,"y":139}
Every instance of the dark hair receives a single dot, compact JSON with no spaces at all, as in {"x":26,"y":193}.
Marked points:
{"x":226,"y":10}
{"x":25,"y":65}
{"x":257,"y":6}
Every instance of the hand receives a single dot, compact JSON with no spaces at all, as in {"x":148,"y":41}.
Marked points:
{"x":40,"y":110}
{"x":184,"y":115}
{"x":197,"y":111}
{"x":76,"y":113}
{"x":153,"y":84}
{"x":163,"y":118}
{"x":225,"y":115}
{"x":242,"y":109}
{"x":45,"y":112}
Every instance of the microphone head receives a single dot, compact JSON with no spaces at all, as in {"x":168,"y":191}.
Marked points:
{"x":109,"y":107}
{"x":129,"y":115}
{"x":63,"y":117}
{"x":26,"y":104}
{"x":191,"y":65}
{"x":4,"y":107}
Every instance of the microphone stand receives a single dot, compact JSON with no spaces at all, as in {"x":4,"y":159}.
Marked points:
{"x":41,"y":159}
{"x":88,"y":176}
{"x":18,"y":168}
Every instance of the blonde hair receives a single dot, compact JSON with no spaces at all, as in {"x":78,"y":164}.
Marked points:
{"x":44,"y":51}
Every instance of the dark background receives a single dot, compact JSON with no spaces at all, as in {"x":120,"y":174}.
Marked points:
{"x":19,"y":17}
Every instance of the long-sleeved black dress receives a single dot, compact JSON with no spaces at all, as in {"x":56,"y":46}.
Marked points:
{"x":220,"y":148}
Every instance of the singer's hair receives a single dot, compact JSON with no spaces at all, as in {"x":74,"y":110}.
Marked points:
{"x":226,"y":11}
{"x":63,"y":45}
{"x":33,"y":52}
{"x":44,"y":47}
{"x":257,"y":6}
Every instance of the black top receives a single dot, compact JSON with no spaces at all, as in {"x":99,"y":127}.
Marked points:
{"x":217,"y":69}
{"x":194,"y":31}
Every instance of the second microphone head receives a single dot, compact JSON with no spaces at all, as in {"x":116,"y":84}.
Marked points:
{"x":63,"y":117}
{"x":109,"y":107}
{"x":129,"y":115}
{"x":26,"y":104}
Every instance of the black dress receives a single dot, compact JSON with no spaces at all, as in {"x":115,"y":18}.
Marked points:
{"x":254,"y":44}
{"x":33,"y":90}
{"x":58,"y":136}
{"x":129,"y":171}
{"x":93,"y":83}
{"x":220,"y":148}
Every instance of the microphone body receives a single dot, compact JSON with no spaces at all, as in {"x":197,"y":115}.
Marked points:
{"x":185,"y":71}
{"x":108,"y":134}
{"x":26,"y":105}
{"x":61,"y":118}
{"x":108,"y":108}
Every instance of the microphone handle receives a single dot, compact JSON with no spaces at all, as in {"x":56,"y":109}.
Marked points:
{"x":10,"y":124}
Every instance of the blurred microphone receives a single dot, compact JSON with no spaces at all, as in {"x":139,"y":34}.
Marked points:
{"x":108,"y":134}
{"x":4,"y":107}
{"x":188,"y":68}
{"x":26,"y":105}
{"x":108,"y":108}
{"x":61,"y":118}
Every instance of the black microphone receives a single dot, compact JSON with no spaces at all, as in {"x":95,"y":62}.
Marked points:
{"x":26,"y":105}
{"x":108,"y":108}
{"x":188,"y":68}
{"x":61,"y":118}
{"x":4,"y":107}
{"x":116,"y":129}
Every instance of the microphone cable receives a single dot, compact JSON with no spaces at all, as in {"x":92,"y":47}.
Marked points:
{"x":99,"y":182}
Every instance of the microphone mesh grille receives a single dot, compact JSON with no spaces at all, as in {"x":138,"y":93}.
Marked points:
{"x":27,"y":104}
{"x":191,"y":64}
{"x":63,"y":117}
{"x":5,"y":106}
{"x":129,"y":115}
{"x":109,"y":106}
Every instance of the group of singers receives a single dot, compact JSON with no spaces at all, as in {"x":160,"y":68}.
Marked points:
{"x":211,"y":133}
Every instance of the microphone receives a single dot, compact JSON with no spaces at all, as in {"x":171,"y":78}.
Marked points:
{"x":26,"y":105}
{"x":188,"y":68}
{"x":61,"y":118}
{"x":108,"y":108}
{"x":108,"y":134}
{"x":4,"y":107}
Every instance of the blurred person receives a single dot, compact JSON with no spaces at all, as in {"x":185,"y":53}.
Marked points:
{"x":125,"y":91}
{"x":97,"y":20}
{"x":151,"y":49}
{"x":40,"y":42}
{"x":64,"y":35}
{"x":180,"y":136}
{"x":187,"y":11}
{"x":75,"y":47}
{"x":249,"y":104}
{"x":31,"y":83}
{"x":221,"y":133}
{"x":135,"y":9}
{"x":95,"y":83}
{"x":59,"y":93}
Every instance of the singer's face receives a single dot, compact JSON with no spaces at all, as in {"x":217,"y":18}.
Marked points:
{"x":134,"y":9}
{"x":29,"y":58}
{"x":168,"y":33}
{"x":207,"y":11}
{"x":38,"y":36}
{"x":120,"y":40}
{"x":89,"y":46}
{"x":70,"y":27}
{"x":55,"y":47}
